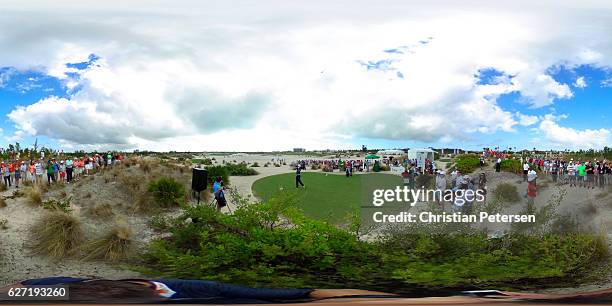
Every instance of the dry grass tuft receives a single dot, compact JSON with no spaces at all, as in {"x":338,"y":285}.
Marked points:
{"x":56,"y":235}
{"x":143,"y":205}
{"x":3,"y":187}
{"x":34,"y":196}
{"x":59,"y":185}
{"x":100,"y":211}
{"x":117,"y":244}
{"x":134,"y":184}
{"x":2,"y":202}
{"x":145,"y":166}
{"x":148,"y":165}
{"x":3,"y":224}
{"x":43,"y":187}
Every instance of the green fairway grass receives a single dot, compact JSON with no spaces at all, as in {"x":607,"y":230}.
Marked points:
{"x":329,"y":197}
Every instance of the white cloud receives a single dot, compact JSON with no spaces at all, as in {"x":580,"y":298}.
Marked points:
{"x":580,"y":82}
{"x":606,"y":83}
{"x":527,"y":120}
{"x":274,"y":76}
{"x":564,"y":137}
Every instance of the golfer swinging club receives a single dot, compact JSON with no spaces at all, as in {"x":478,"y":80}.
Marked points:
{"x":298,"y":176}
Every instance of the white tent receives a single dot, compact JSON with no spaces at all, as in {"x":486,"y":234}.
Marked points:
{"x":421,"y":155}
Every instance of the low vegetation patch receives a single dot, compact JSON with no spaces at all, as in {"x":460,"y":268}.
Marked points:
{"x":59,"y":205}
{"x":254,"y":246}
{"x":425,"y":180}
{"x":160,"y":222}
{"x":467,"y":163}
{"x":507,"y":192}
{"x":56,"y":235}
{"x":512,"y":165}
{"x":240,"y":169}
{"x":202,"y":161}
{"x":134,"y":184}
{"x":102,"y":211}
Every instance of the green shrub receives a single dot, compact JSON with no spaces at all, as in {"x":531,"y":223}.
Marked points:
{"x":507,"y":192}
{"x":467,"y":163}
{"x":254,"y":246}
{"x":167,"y":192}
{"x":476,"y":260}
{"x":511,"y":165}
{"x":255,"y":164}
{"x":217,"y":171}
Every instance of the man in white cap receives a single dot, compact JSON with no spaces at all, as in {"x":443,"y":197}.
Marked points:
{"x":571,"y":173}
{"x":440,"y":185}
{"x":441,"y":181}
{"x":525,"y":170}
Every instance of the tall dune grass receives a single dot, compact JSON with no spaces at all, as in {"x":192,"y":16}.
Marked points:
{"x":117,"y":244}
{"x":56,"y":235}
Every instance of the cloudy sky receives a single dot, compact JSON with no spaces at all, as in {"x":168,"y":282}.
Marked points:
{"x":273,"y":75}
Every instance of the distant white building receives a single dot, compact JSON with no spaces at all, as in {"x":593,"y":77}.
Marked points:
{"x":390,"y":153}
{"x":421,"y":155}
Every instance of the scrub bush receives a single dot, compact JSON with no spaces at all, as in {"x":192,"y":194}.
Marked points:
{"x":215,"y":171}
{"x":512,"y":165}
{"x":273,"y":244}
{"x":467,"y":163}
{"x":167,"y":192}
